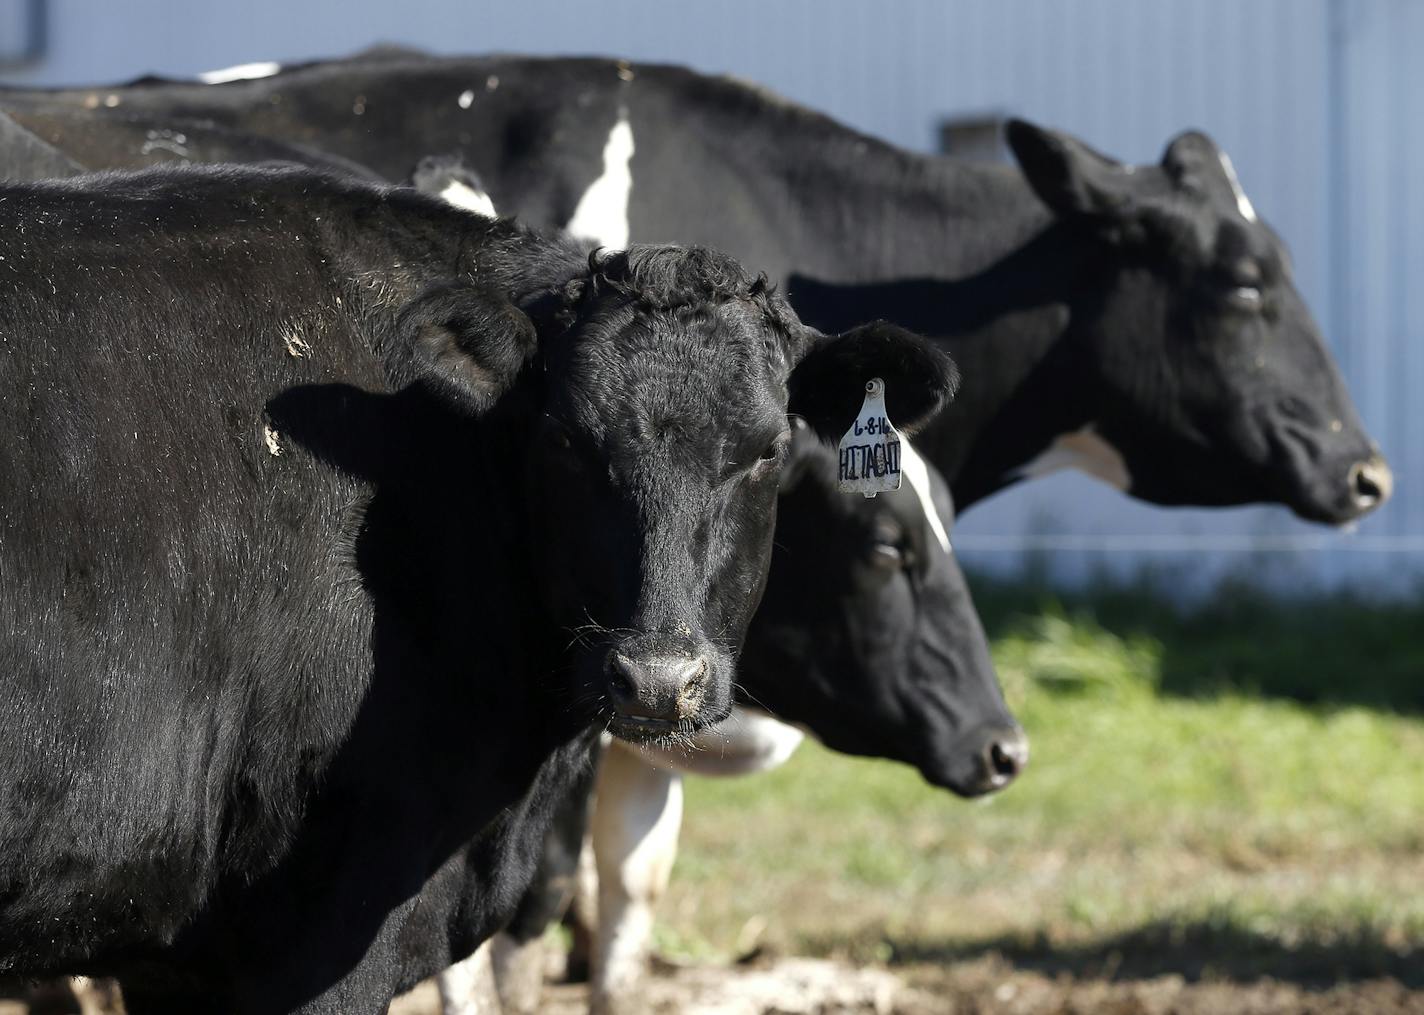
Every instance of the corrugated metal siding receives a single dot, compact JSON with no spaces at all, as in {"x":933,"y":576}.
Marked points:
{"x":1318,"y":101}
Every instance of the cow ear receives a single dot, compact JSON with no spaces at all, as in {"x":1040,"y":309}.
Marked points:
{"x":469,"y":344}
{"x":1068,"y":176}
{"x":1196,"y":164}
{"x":448,"y":178}
{"x":828,"y":384}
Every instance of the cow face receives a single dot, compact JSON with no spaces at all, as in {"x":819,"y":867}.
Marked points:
{"x":867,"y":635}
{"x":656,"y":468}
{"x":1216,"y":386}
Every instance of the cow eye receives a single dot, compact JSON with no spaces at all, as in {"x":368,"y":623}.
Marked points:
{"x":1246,"y":297}
{"x":776,"y":447}
{"x":887,"y":545}
{"x":887,"y":555}
{"x":774,"y":451}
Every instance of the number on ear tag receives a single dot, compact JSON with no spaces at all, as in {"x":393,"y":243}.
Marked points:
{"x":870,"y":449}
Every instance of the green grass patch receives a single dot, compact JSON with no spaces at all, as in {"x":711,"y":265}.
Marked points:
{"x":1197,"y":778}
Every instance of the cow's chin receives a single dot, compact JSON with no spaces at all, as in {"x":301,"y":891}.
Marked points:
{"x":666,"y":734}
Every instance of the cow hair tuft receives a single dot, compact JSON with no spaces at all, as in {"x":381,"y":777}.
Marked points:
{"x":664,"y":277}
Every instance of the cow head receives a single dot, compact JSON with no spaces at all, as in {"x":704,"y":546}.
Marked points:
{"x":1216,"y":387}
{"x":867,"y":635}
{"x":655,"y":468}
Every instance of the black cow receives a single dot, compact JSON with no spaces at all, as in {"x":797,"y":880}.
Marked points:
{"x":1139,"y":322}
{"x":334,"y":522}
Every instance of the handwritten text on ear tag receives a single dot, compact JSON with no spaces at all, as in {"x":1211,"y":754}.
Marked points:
{"x":870,"y":449}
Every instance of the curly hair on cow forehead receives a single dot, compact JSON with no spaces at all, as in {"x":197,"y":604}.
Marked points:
{"x":665,"y":277}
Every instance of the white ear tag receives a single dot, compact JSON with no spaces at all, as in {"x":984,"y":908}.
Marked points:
{"x":870,"y":449}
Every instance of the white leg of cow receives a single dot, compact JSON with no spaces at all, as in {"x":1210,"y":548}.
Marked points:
{"x":584,"y":912}
{"x":468,"y":987}
{"x":518,"y":973}
{"x":96,"y":997}
{"x":636,"y":818}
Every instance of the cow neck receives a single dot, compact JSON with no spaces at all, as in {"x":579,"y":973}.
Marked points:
{"x":968,"y":255}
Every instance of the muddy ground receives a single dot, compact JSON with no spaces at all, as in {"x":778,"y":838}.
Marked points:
{"x":984,"y":986}
{"x":989,"y":985}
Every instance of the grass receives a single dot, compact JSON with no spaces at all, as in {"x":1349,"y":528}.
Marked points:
{"x":1237,"y":790}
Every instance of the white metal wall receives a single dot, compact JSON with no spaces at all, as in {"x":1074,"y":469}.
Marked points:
{"x":1318,"y":101}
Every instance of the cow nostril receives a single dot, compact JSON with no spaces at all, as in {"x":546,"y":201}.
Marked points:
{"x":620,"y":682}
{"x":1006,"y":756}
{"x":1371,"y":482}
{"x":1002,"y":762}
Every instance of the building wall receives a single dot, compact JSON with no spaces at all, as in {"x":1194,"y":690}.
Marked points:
{"x":1317,"y":101}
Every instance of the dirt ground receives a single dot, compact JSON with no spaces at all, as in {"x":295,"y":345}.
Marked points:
{"x":983,"y":986}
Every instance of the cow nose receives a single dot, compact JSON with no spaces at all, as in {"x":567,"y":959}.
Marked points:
{"x":666,"y":688}
{"x":1000,"y":754}
{"x":1006,"y":756}
{"x":1371,"y":483}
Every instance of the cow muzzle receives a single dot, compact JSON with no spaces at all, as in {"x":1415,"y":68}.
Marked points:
{"x":1371,"y":483}
{"x":656,"y":686}
{"x":991,"y":758}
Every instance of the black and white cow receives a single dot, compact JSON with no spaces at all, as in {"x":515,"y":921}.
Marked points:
{"x":866,"y":639}
{"x":324,"y":503}
{"x":1137,"y":321}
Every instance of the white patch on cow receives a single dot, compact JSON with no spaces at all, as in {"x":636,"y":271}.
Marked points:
{"x":462,"y":195}
{"x":468,"y":987}
{"x":273,"y":441}
{"x":297,"y":347}
{"x":1084,"y":450}
{"x":242,"y":72}
{"x":95,"y":996}
{"x":466,"y":99}
{"x":602,"y":212}
{"x":746,"y":742}
{"x":1243,"y":203}
{"x":917,"y":474}
{"x":637,"y":816}
{"x":491,"y":82}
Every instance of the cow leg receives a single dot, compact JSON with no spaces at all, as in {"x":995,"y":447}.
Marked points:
{"x":518,"y":969}
{"x":468,"y":987}
{"x":582,"y":916}
{"x":76,"y":993}
{"x":96,"y":996}
{"x":518,"y":952}
{"x":636,"y":818}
